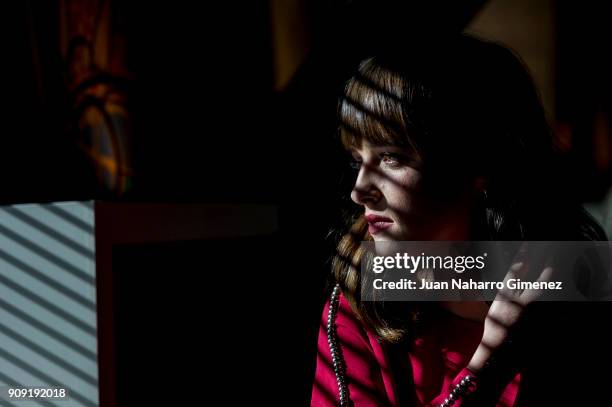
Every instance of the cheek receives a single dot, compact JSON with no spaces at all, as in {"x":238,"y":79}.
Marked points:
{"x":404,"y":189}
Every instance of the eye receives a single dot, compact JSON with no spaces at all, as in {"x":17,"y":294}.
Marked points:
{"x":354,"y":161}
{"x":391,"y":159}
{"x":354,"y":164}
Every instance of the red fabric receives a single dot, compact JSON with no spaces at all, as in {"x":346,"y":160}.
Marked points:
{"x":438,"y":359}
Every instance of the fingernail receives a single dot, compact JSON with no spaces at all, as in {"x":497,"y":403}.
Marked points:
{"x":549,"y":262}
{"x":516,"y":266}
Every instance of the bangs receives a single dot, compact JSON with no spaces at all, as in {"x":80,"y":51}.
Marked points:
{"x":374,"y":108}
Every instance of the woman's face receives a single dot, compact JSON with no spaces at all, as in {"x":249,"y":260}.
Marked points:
{"x":390,"y":188}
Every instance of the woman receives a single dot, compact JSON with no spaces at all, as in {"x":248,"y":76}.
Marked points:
{"x":449,"y":142}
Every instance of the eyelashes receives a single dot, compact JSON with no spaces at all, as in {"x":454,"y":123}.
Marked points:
{"x":391,"y":160}
{"x":354,"y":164}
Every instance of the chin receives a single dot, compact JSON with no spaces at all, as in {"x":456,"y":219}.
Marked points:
{"x":385,"y":237}
{"x":381,"y":237}
{"x":387,"y":246}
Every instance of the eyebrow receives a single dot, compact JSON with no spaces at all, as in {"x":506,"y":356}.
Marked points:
{"x":388,"y":147}
{"x":353,"y":152}
{"x":378,"y":148}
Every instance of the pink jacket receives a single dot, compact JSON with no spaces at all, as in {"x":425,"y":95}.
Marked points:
{"x":438,"y":361}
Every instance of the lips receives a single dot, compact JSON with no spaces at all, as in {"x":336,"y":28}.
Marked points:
{"x":377,"y":223}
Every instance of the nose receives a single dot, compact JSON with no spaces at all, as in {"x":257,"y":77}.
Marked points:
{"x":365,"y":190}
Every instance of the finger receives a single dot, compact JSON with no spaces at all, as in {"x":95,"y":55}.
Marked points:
{"x":507,"y":294}
{"x":522,"y":268}
{"x":531,"y":294}
{"x":521,"y":253}
{"x":546,"y":274}
{"x":520,"y":260}
{"x":515,"y":271}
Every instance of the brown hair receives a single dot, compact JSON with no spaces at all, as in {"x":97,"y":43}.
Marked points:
{"x":373,"y":108}
{"x":463,"y":110}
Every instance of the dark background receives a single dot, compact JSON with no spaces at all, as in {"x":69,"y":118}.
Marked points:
{"x":236,"y":103}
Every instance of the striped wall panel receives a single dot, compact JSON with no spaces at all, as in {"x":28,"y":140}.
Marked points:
{"x":48,"y":301}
